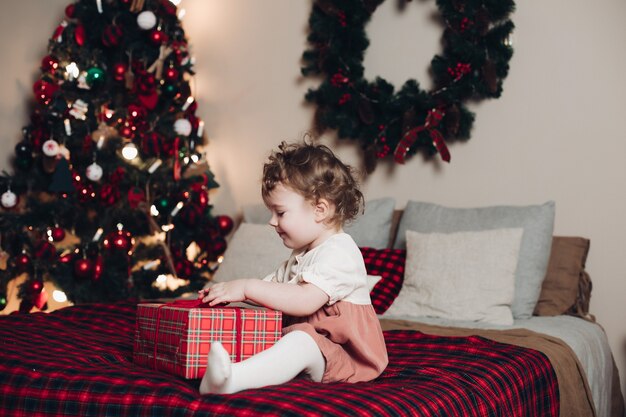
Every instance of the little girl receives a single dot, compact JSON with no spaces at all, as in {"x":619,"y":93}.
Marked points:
{"x":332,"y":332}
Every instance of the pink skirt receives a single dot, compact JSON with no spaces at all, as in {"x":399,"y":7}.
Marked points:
{"x":350,"y":339}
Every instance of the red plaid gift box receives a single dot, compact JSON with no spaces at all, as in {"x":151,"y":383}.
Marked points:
{"x":183,"y":332}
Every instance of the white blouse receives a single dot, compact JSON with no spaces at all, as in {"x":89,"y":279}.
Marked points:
{"x":335,"y":266}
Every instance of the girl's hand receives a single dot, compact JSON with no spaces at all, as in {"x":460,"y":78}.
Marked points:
{"x":224,"y":292}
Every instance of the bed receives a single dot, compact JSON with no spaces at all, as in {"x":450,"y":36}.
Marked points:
{"x":77,"y":361}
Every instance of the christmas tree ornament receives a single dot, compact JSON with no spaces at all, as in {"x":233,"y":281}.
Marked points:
{"x":218,"y":246}
{"x":136,"y":195}
{"x":94,"y":172}
{"x":202,"y":198}
{"x":171,"y":74}
{"x":22,"y":261}
{"x":78,"y":111}
{"x":112,"y":35}
{"x":83,"y":267}
{"x":24,"y":150}
{"x":62,"y":181}
{"x":49,"y":64}
{"x":225,"y":224}
{"x":95,"y":76}
{"x":120,"y":240}
{"x":57,"y":233}
{"x":146,"y":20}
{"x":50,"y":148}
{"x":158,"y":37}
{"x":70,"y":10}
{"x":119,"y":71}
{"x":182,"y":127}
{"x":44,"y":91}
{"x":8,"y":199}
{"x":80,"y":35}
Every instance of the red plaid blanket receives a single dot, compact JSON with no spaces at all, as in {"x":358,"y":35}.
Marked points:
{"x":78,"y":362}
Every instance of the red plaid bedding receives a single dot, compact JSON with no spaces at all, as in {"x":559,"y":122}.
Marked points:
{"x":78,"y":362}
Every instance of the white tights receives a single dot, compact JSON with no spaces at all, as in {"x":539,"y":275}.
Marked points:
{"x":293,"y":353}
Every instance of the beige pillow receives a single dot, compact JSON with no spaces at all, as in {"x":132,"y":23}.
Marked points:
{"x":467,"y":276}
{"x":254,"y":251}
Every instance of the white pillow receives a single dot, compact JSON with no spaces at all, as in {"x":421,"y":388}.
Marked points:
{"x":467,"y":276}
{"x":254,"y":251}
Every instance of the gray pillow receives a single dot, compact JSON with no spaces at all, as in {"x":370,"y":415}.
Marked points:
{"x":537,"y":222}
{"x":254,"y":251}
{"x":370,"y":229}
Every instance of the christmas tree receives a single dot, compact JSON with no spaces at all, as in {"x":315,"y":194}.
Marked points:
{"x":109,"y":198}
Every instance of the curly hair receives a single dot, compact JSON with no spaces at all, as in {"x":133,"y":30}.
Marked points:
{"x":314,"y":172}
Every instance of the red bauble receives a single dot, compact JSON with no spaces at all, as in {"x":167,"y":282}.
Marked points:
{"x":202,"y":198}
{"x":158,"y":37}
{"x":112,"y":35}
{"x":225,"y":223}
{"x":184,"y":267}
{"x":120,"y":240}
{"x":83,"y":267}
{"x":119,"y":71}
{"x":171,"y":74}
{"x":22,"y":261}
{"x":136,"y":195}
{"x":70,"y":10}
{"x":49,"y":63}
{"x":67,"y":258}
{"x":79,"y":35}
{"x":218,"y":246}
{"x":57,"y":234}
{"x":109,"y":194}
{"x":44,"y":90}
{"x":126,"y":132}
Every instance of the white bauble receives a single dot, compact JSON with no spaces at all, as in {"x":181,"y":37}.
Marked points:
{"x":146,"y":20}
{"x":94,"y":172}
{"x":182,"y":127}
{"x":8,"y":199}
{"x":50,"y":148}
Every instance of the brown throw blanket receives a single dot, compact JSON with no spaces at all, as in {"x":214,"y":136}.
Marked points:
{"x":575,"y":395}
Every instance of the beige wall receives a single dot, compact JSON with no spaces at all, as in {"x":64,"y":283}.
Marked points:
{"x":557,"y":132}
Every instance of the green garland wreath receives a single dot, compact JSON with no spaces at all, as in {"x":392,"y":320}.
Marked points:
{"x":473,"y":64}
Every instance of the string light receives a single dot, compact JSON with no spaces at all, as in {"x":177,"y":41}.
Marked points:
{"x":59,"y":296}
{"x":188,"y":102}
{"x":130,"y":151}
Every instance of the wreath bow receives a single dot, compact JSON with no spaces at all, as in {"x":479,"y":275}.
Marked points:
{"x":433,"y":118}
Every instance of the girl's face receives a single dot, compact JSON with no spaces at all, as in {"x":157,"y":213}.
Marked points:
{"x":297,"y":221}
